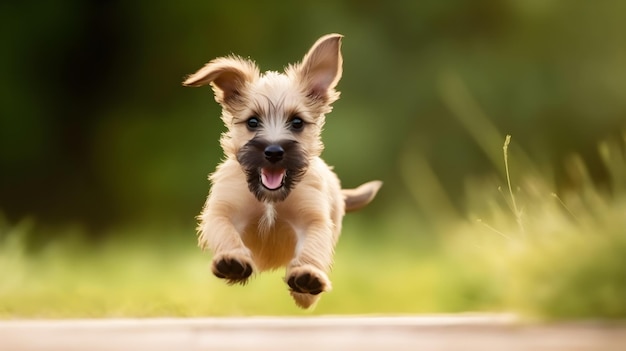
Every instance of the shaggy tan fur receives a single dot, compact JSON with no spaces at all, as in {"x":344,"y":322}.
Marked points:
{"x":250,"y":231}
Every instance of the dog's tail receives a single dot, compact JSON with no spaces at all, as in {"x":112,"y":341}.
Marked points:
{"x":358,"y":198}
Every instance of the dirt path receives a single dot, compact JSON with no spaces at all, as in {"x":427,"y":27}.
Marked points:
{"x":455,"y":332}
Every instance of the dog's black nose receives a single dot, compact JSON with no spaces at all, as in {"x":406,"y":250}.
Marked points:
{"x":274,"y":153}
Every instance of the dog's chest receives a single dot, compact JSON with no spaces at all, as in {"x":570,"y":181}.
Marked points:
{"x":271,"y":239}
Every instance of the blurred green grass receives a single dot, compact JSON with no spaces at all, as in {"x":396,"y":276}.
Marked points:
{"x":160,"y":278}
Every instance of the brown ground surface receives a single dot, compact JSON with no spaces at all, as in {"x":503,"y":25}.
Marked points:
{"x":389,"y":333}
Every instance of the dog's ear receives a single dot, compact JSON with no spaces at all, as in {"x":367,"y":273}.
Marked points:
{"x":227,"y":75}
{"x":321,"y":68}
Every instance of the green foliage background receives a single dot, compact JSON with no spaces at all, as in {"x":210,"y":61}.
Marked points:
{"x":99,"y":141}
{"x":96,"y":127}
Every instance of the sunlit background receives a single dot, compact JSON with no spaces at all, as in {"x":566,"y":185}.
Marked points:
{"x":104,"y":155}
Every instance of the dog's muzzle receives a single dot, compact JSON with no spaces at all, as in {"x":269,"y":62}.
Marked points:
{"x":272,"y":168}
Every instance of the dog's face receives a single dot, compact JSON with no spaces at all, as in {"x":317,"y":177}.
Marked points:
{"x":274,"y":120}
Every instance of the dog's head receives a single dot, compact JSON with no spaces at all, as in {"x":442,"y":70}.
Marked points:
{"x":274,"y":120}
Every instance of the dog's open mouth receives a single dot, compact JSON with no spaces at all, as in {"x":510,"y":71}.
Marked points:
{"x":273,"y":179}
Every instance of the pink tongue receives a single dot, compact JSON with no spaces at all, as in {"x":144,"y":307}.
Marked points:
{"x":272,"y":179}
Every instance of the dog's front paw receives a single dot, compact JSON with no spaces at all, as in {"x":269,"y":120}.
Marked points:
{"x":308,"y":280}
{"x":233,"y":268}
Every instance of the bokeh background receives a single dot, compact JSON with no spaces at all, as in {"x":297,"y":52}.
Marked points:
{"x":96,"y":128}
{"x":98,"y":135}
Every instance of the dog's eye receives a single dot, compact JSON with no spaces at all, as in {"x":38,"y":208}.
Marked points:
{"x":297,"y":123}
{"x":252,"y":123}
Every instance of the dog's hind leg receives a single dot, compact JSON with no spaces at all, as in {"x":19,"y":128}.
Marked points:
{"x":304,"y":300}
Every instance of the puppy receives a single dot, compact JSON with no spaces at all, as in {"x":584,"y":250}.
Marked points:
{"x":273,"y":201}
